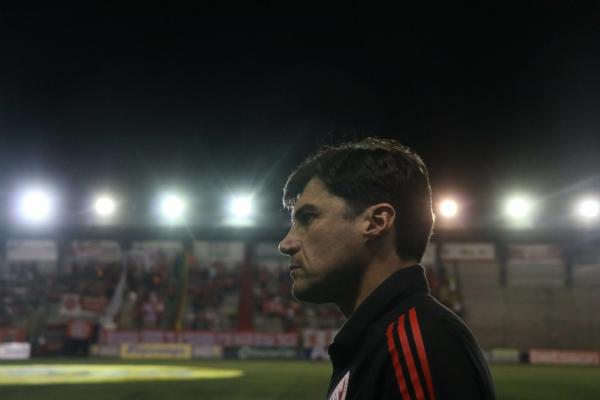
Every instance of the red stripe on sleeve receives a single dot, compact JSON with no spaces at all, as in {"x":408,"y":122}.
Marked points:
{"x":410,"y":361}
{"x":416,"y":330}
{"x":396,"y":363}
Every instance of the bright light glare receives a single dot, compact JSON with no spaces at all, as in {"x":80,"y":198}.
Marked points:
{"x":518,"y":207}
{"x":172,"y":207}
{"x":241,"y":206}
{"x":588,"y":208}
{"x":104,"y":206}
{"x":449,"y":208}
{"x":35,"y":206}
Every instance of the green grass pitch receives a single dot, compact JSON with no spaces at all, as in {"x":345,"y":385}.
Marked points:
{"x":293,"y":380}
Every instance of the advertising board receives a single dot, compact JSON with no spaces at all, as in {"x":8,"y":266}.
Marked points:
{"x":262,"y":353}
{"x":15,"y":351}
{"x":564,"y":357}
{"x":156,"y":351}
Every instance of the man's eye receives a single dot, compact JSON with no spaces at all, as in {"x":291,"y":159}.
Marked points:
{"x":305,"y":219}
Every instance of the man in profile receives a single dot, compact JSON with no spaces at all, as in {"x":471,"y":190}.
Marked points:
{"x":361,"y":221}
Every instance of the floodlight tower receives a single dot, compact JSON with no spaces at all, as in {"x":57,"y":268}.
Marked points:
{"x":105,"y":206}
{"x":448,"y":208}
{"x":588,"y":210}
{"x":36,"y":206}
{"x":449,"y":214}
{"x":172,"y":208}
{"x":519,"y":210}
{"x":240,"y":210}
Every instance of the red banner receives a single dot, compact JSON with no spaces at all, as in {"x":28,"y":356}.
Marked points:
{"x":74,"y":305}
{"x":94,"y":304}
{"x":564,"y":357}
{"x":13,"y":335}
{"x":79,"y":329}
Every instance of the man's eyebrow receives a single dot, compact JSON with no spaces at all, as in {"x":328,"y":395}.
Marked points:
{"x":303,"y":209}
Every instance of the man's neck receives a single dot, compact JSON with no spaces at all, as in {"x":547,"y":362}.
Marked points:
{"x":374,"y":276}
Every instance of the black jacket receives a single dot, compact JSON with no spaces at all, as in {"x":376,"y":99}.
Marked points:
{"x":401,"y":343}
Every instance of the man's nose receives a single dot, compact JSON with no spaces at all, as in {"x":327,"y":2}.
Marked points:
{"x":289,"y":245}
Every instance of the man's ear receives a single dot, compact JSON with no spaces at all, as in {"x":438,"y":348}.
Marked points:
{"x":379,"y":220}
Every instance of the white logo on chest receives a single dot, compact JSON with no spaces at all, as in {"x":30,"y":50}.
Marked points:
{"x":339,"y":393}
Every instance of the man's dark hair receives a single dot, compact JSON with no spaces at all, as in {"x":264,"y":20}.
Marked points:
{"x":371,"y":171}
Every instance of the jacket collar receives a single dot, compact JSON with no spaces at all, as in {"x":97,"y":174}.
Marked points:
{"x":384,"y":297}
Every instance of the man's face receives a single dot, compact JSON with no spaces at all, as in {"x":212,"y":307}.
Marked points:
{"x":324,"y":245}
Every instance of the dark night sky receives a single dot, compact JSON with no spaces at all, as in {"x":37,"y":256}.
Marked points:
{"x":493,"y":99}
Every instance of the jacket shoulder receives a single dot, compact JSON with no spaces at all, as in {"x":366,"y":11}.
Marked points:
{"x":436,"y":352}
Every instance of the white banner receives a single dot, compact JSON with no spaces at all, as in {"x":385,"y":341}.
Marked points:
{"x":505,"y":355}
{"x":230,"y":254}
{"x":31,"y":250}
{"x":168,"y":247}
{"x":150,"y":253}
{"x":468,"y":252}
{"x":105,"y":251}
{"x":539,"y":253}
{"x":15,"y":351}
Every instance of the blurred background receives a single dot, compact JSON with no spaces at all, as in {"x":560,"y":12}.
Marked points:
{"x":142,"y":161}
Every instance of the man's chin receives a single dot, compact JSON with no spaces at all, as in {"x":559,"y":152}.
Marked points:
{"x":309,"y":294}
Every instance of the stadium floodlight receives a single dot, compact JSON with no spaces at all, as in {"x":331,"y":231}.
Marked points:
{"x":172,"y":207}
{"x":35,"y":206}
{"x":241,"y":206}
{"x":105,"y":206}
{"x":588,"y":208}
{"x":518,"y":207}
{"x":240,"y":210}
{"x":448,"y":208}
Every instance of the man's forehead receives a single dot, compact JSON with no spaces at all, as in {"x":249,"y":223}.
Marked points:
{"x":315,"y":192}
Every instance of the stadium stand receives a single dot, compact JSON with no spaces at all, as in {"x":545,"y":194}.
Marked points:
{"x":483,"y":300}
{"x":526,"y":300}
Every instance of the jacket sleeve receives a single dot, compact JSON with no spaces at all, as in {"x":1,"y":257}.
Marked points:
{"x":434,"y":358}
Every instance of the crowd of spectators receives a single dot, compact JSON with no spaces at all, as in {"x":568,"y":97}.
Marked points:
{"x":151,"y":297}
{"x":274,"y":302}
{"x":148,"y":299}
